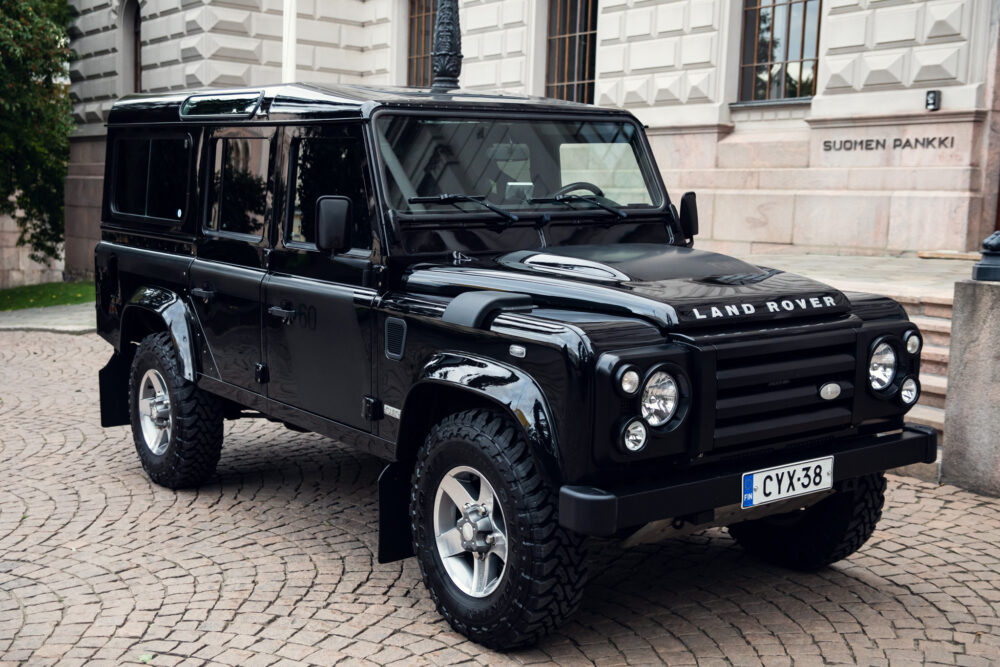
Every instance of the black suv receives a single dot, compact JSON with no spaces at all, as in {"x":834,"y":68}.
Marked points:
{"x":495,"y":295}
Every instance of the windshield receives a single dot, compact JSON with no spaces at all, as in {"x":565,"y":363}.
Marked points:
{"x":521,"y":165}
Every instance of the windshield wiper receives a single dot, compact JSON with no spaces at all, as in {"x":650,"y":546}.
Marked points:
{"x":455,"y":198}
{"x":591,"y":199}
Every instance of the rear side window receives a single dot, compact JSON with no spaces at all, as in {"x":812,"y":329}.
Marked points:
{"x":238,"y":198}
{"x":329,"y":166}
{"x":151,"y":177}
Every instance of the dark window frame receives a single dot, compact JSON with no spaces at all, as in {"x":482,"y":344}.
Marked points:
{"x":567,"y":82}
{"x":419,"y":65}
{"x":135,"y":217}
{"x":802,"y":30}
{"x":213,"y":146}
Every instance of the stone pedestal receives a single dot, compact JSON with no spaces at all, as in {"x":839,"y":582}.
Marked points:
{"x":971,"y":458}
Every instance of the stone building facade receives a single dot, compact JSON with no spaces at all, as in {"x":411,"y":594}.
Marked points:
{"x":851,"y":162}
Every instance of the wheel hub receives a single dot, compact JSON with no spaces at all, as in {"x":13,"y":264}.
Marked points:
{"x":476,"y":528}
{"x":154,"y":411}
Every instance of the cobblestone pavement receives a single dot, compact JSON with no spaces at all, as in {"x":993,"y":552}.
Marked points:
{"x":274,"y":563}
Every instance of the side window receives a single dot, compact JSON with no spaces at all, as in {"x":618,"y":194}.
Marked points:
{"x":329,"y":166}
{"x":238,"y":196}
{"x":151,"y":177}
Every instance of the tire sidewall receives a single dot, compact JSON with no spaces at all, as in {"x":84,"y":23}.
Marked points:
{"x":146,"y":358}
{"x":444,"y":457}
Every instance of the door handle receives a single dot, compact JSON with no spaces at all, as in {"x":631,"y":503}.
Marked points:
{"x":200,"y":293}
{"x":285,"y":314}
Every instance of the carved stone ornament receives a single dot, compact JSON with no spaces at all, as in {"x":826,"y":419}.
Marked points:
{"x":446,"y":58}
{"x":988,"y":268}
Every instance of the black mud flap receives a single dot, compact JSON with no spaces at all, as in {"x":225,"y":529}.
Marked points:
{"x":113,"y":383}
{"x":394,"y":538}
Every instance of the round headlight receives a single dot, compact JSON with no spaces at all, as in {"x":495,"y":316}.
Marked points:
{"x":882,"y":366}
{"x":630,"y":381}
{"x":659,"y":398}
{"x":912,"y":342}
{"x":909,"y":391}
{"x":635,"y":436}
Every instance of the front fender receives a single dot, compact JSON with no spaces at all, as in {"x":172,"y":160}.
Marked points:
{"x":508,"y":387}
{"x":167,"y":307}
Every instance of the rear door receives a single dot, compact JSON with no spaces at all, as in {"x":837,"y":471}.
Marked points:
{"x":318,"y":319}
{"x":227,"y":276}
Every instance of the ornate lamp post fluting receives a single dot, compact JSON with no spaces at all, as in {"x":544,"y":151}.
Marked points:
{"x":446,"y":58}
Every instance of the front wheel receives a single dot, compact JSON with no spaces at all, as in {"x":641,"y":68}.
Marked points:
{"x":812,"y":538}
{"x":485,"y":531}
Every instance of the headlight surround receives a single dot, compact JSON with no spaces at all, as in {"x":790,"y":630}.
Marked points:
{"x":660,"y":398}
{"x":882,"y":365}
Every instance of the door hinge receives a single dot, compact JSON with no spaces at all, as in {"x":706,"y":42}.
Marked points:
{"x":260,"y":374}
{"x":371,"y":408}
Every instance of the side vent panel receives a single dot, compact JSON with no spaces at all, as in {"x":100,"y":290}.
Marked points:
{"x":395,"y":338}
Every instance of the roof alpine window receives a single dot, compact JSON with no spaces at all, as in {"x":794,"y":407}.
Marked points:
{"x":222,"y":105}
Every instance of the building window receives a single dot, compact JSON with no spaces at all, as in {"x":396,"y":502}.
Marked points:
{"x":572,"y":50}
{"x":418,"y":61}
{"x":131,"y":47}
{"x":778,"y":60}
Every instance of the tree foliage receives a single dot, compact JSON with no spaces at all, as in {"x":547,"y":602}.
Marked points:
{"x":35,"y":119}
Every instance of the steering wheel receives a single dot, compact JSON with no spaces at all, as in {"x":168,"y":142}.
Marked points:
{"x":579,"y":185}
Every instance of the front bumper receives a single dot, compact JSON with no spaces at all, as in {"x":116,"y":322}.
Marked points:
{"x":603,"y":512}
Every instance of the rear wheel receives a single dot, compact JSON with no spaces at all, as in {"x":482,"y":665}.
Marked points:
{"x":831,"y":530}
{"x":177,"y":427}
{"x":483,"y":517}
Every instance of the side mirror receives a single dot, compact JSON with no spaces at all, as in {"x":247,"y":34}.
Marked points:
{"x":689,"y":215}
{"x":333,"y":214}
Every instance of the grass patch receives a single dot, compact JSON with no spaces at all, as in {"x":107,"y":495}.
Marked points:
{"x":47,"y":294}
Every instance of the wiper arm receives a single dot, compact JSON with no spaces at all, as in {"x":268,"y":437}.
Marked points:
{"x":591,"y":199}
{"x":455,"y":198}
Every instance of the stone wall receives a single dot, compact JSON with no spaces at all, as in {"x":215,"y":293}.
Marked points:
{"x":16,"y":267}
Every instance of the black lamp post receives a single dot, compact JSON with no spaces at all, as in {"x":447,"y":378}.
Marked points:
{"x":988,"y":268}
{"x":446,"y":59}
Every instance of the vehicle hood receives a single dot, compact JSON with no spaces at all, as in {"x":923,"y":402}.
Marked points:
{"x":673,"y":287}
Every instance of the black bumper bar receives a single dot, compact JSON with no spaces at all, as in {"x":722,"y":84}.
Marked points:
{"x":592,"y":511}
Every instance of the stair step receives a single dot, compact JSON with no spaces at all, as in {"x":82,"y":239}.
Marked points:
{"x":928,"y":416}
{"x":926,"y":306}
{"x":933,"y":390}
{"x":934,"y":360}
{"x":936,"y":330}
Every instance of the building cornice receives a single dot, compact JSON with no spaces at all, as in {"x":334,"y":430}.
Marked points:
{"x":713,"y":128}
{"x":925,"y":118}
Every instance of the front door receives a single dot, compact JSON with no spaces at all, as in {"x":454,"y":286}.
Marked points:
{"x":318,"y":318}
{"x":228,"y":274}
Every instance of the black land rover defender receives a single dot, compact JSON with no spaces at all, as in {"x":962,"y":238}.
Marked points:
{"x":495,"y":295}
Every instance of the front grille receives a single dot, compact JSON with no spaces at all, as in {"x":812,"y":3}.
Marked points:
{"x":768,"y":390}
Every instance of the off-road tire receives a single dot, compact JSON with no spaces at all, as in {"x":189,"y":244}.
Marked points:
{"x":829,"y":531}
{"x":546,"y":566}
{"x":196,"y":436}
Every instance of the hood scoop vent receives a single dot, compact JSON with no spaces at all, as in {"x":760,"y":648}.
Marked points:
{"x":573,"y":267}
{"x":741,"y":278}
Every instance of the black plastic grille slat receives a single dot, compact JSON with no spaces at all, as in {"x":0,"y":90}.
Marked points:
{"x":769,"y":389}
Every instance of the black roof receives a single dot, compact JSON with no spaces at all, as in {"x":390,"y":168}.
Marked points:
{"x":308,"y":101}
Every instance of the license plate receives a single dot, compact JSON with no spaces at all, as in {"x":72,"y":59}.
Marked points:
{"x":795,"y":479}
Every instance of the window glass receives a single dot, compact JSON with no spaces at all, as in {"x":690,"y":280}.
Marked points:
{"x":151,"y":177}
{"x":418,"y":60}
{"x":330,"y":166}
{"x":238,"y":202}
{"x":778,"y":59}
{"x":572,"y":52}
{"x":131,"y":175}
